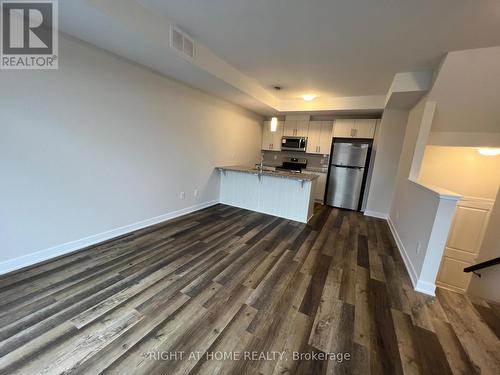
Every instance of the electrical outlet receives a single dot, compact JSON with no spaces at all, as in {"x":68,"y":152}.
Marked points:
{"x":275,"y":157}
{"x":196,"y":192}
{"x":418,"y":247}
{"x":183,"y":195}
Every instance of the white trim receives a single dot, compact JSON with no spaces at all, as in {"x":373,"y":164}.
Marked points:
{"x":426,"y":288}
{"x":442,"y":285}
{"x":68,"y":247}
{"x":402,"y":251}
{"x":438,"y":191}
{"x":419,"y":285}
{"x":471,"y":199}
{"x":376,"y":214}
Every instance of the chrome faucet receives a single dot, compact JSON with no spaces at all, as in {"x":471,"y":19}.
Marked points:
{"x":260,"y":166}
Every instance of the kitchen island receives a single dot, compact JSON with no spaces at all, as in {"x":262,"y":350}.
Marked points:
{"x":284,"y":194}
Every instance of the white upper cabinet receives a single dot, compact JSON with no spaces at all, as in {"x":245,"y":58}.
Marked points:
{"x":302,"y":128}
{"x":271,"y":141}
{"x":267,"y":136}
{"x":290,"y":127}
{"x":344,"y":128}
{"x":325,"y":138}
{"x":277,"y":135}
{"x":354,"y":128}
{"x":319,"y":138}
{"x":296,"y":128}
{"x":365,"y":128}
{"x":313,"y":137}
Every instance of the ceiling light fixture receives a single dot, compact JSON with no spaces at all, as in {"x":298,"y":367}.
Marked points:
{"x":487,"y":151}
{"x":274,"y":124}
{"x":308,"y":97}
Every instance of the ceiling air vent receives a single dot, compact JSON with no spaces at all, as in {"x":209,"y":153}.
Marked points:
{"x":181,"y":42}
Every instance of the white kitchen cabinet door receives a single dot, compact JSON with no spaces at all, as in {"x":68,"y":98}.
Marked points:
{"x":365,"y":128}
{"x":344,"y":128}
{"x":276,"y":137}
{"x":296,"y":128}
{"x":319,"y":138}
{"x":271,"y":141}
{"x":463,"y":244}
{"x":354,"y":128}
{"x":290,"y":128}
{"x":267,"y":136}
{"x":313,"y":137}
{"x":325,"y":138}
{"x":302,"y":128}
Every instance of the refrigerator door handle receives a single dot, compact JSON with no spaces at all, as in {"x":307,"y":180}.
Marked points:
{"x":347,"y":166}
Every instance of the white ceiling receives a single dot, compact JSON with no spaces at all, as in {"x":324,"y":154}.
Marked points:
{"x":333,"y":47}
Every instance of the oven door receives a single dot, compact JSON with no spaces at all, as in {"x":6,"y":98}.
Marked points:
{"x":294,"y":144}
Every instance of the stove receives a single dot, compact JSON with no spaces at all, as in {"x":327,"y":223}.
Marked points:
{"x":294,"y":165}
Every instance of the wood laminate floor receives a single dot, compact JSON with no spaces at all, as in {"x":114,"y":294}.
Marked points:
{"x":227,"y":281}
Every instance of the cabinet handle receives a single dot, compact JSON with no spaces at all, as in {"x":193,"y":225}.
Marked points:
{"x":319,"y":148}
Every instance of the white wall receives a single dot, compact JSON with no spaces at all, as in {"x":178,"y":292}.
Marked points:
{"x":488,"y":285}
{"x":420,"y":216}
{"x":460,"y":109}
{"x":462,"y":170}
{"x":389,"y":144}
{"x":101,"y":144}
{"x":466,"y":90}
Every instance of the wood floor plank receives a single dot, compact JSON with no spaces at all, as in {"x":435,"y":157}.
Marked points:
{"x":479,"y":342}
{"x":457,"y":357}
{"x":432,"y":358}
{"x":328,"y":313}
{"x":407,"y":343}
{"x":362,"y":314}
{"x":489,"y":317}
{"x":234,"y":339}
{"x":225,"y":279}
{"x":384,"y":339}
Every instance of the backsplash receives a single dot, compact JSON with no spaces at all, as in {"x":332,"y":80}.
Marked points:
{"x":274,"y":158}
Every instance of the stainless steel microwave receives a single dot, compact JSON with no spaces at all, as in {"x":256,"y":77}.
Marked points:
{"x":294,"y":144}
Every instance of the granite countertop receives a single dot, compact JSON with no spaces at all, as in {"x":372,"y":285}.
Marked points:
{"x":317,"y":169}
{"x":282,"y":174}
{"x":308,"y":169}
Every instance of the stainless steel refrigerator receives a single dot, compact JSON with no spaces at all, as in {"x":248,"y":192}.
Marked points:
{"x":346,"y":174}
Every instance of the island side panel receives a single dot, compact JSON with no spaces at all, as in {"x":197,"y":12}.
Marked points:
{"x":239,"y":189}
{"x":284,"y":197}
{"x":278,"y":196}
{"x":310,"y":211}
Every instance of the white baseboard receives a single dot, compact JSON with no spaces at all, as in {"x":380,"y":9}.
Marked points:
{"x":68,"y":247}
{"x":404,"y":255}
{"x":419,"y":285}
{"x":426,"y":288}
{"x":376,"y":214}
